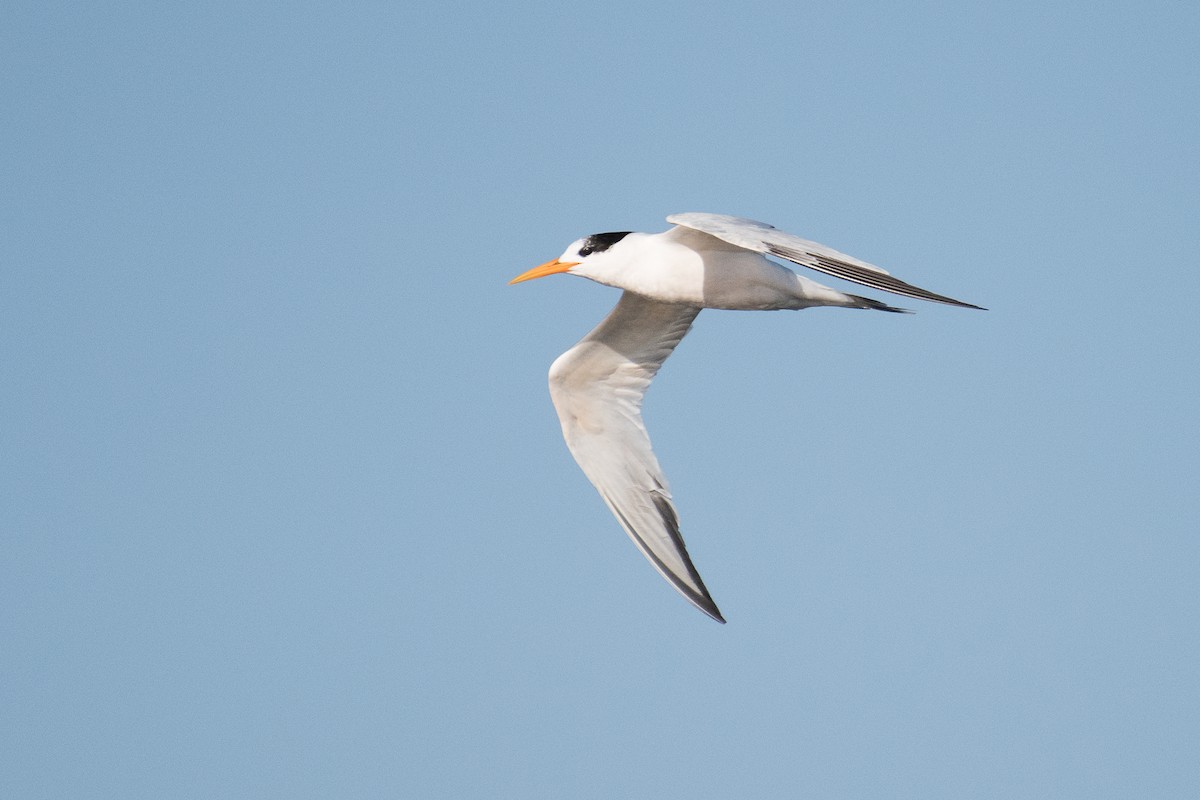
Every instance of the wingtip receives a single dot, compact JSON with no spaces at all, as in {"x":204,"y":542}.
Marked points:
{"x":707,"y":605}
{"x":950,"y":301}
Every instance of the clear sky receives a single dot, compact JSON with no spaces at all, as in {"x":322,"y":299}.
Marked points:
{"x":285,"y":511}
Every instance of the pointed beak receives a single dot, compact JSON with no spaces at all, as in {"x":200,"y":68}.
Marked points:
{"x":542,"y":270}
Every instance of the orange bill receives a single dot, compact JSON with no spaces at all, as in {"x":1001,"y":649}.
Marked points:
{"x":542,"y":270}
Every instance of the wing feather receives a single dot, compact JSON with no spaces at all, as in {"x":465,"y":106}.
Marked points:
{"x":597,"y":387}
{"x":763,"y":238}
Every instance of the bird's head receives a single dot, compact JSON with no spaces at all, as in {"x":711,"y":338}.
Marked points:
{"x":590,"y":257}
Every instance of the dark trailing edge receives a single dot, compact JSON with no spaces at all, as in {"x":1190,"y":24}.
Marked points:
{"x":702,"y":599}
{"x":867,"y":277}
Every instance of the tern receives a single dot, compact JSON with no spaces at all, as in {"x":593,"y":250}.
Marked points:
{"x":704,"y":261}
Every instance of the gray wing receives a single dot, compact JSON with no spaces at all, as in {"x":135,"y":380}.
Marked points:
{"x":763,"y":238}
{"x":597,"y":387}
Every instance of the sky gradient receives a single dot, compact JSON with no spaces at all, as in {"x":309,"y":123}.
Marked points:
{"x":285,"y":509}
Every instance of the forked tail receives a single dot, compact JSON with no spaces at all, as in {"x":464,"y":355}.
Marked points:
{"x":867,"y":302}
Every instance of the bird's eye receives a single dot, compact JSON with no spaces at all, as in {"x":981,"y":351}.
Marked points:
{"x":586,"y":250}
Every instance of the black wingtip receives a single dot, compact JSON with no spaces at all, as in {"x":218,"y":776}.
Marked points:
{"x":699,"y":595}
{"x":703,"y":601}
{"x":961,"y":304}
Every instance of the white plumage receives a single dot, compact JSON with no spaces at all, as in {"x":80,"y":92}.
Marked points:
{"x":705,"y":261}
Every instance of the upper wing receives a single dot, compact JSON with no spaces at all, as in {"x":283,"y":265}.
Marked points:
{"x":597,"y":387}
{"x":763,"y":238}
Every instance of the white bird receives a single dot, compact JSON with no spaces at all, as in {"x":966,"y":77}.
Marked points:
{"x":705,"y":261}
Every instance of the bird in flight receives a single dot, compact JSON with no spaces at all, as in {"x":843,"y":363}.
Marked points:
{"x":704,"y":261}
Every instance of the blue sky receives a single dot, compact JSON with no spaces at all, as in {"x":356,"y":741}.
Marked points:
{"x":284,"y":506}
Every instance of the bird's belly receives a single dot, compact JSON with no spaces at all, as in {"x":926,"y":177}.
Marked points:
{"x":730,"y":279}
{"x":749,"y":283}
